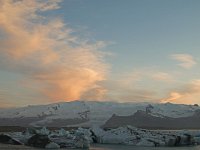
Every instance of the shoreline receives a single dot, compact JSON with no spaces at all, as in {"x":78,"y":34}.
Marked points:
{"x":101,"y":147}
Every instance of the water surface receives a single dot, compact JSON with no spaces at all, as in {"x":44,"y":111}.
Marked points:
{"x":122,"y":147}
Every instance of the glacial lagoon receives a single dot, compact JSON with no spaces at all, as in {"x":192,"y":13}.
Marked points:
{"x":102,"y":147}
{"x":122,"y":147}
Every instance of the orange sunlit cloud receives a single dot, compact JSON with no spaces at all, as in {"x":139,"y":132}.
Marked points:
{"x":187,"y":94}
{"x":45,"y":52}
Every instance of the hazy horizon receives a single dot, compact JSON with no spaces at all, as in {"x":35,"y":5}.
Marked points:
{"x":121,"y":51}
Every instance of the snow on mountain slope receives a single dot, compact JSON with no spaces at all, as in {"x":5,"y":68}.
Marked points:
{"x":94,"y":112}
{"x":174,"y":110}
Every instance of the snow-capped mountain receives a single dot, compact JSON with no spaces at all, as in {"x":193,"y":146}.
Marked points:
{"x":87,"y":113}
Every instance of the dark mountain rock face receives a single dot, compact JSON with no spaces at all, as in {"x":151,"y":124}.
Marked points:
{"x":64,"y":122}
{"x":26,"y":122}
{"x":143,"y":119}
{"x":18,"y":121}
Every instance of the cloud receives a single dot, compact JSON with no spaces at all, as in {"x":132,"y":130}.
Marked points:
{"x":139,"y":75}
{"x":162,"y":76}
{"x":44,"y":51}
{"x":185,"y":94}
{"x":127,"y":87}
{"x":131,"y":95}
{"x":129,"y":79}
{"x":135,"y":86}
{"x":186,"y":61}
{"x":98,"y":94}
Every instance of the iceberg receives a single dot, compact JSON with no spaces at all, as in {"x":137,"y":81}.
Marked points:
{"x":81,"y":138}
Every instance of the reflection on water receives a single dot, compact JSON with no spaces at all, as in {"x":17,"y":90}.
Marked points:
{"x":121,"y":147}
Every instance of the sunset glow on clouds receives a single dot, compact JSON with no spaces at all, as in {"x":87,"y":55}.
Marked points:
{"x":45,"y":52}
{"x":186,"y":61}
{"x":55,"y":63}
{"x":187,"y":93}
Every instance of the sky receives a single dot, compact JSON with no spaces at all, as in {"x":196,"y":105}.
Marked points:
{"x":123,"y":51}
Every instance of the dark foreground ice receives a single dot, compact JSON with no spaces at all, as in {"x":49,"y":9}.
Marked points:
{"x":122,"y":138}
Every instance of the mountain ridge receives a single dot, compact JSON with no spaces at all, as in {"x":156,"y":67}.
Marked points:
{"x":143,"y":119}
{"x":87,"y":113}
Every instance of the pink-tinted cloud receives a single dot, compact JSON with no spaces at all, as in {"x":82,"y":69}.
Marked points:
{"x":44,"y":51}
{"x":185,"y":94}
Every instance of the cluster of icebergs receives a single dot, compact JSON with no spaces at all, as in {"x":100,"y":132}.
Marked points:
{"x":44,"y":138}
{"x":81,"y":138}
{"x":130,"y":135}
